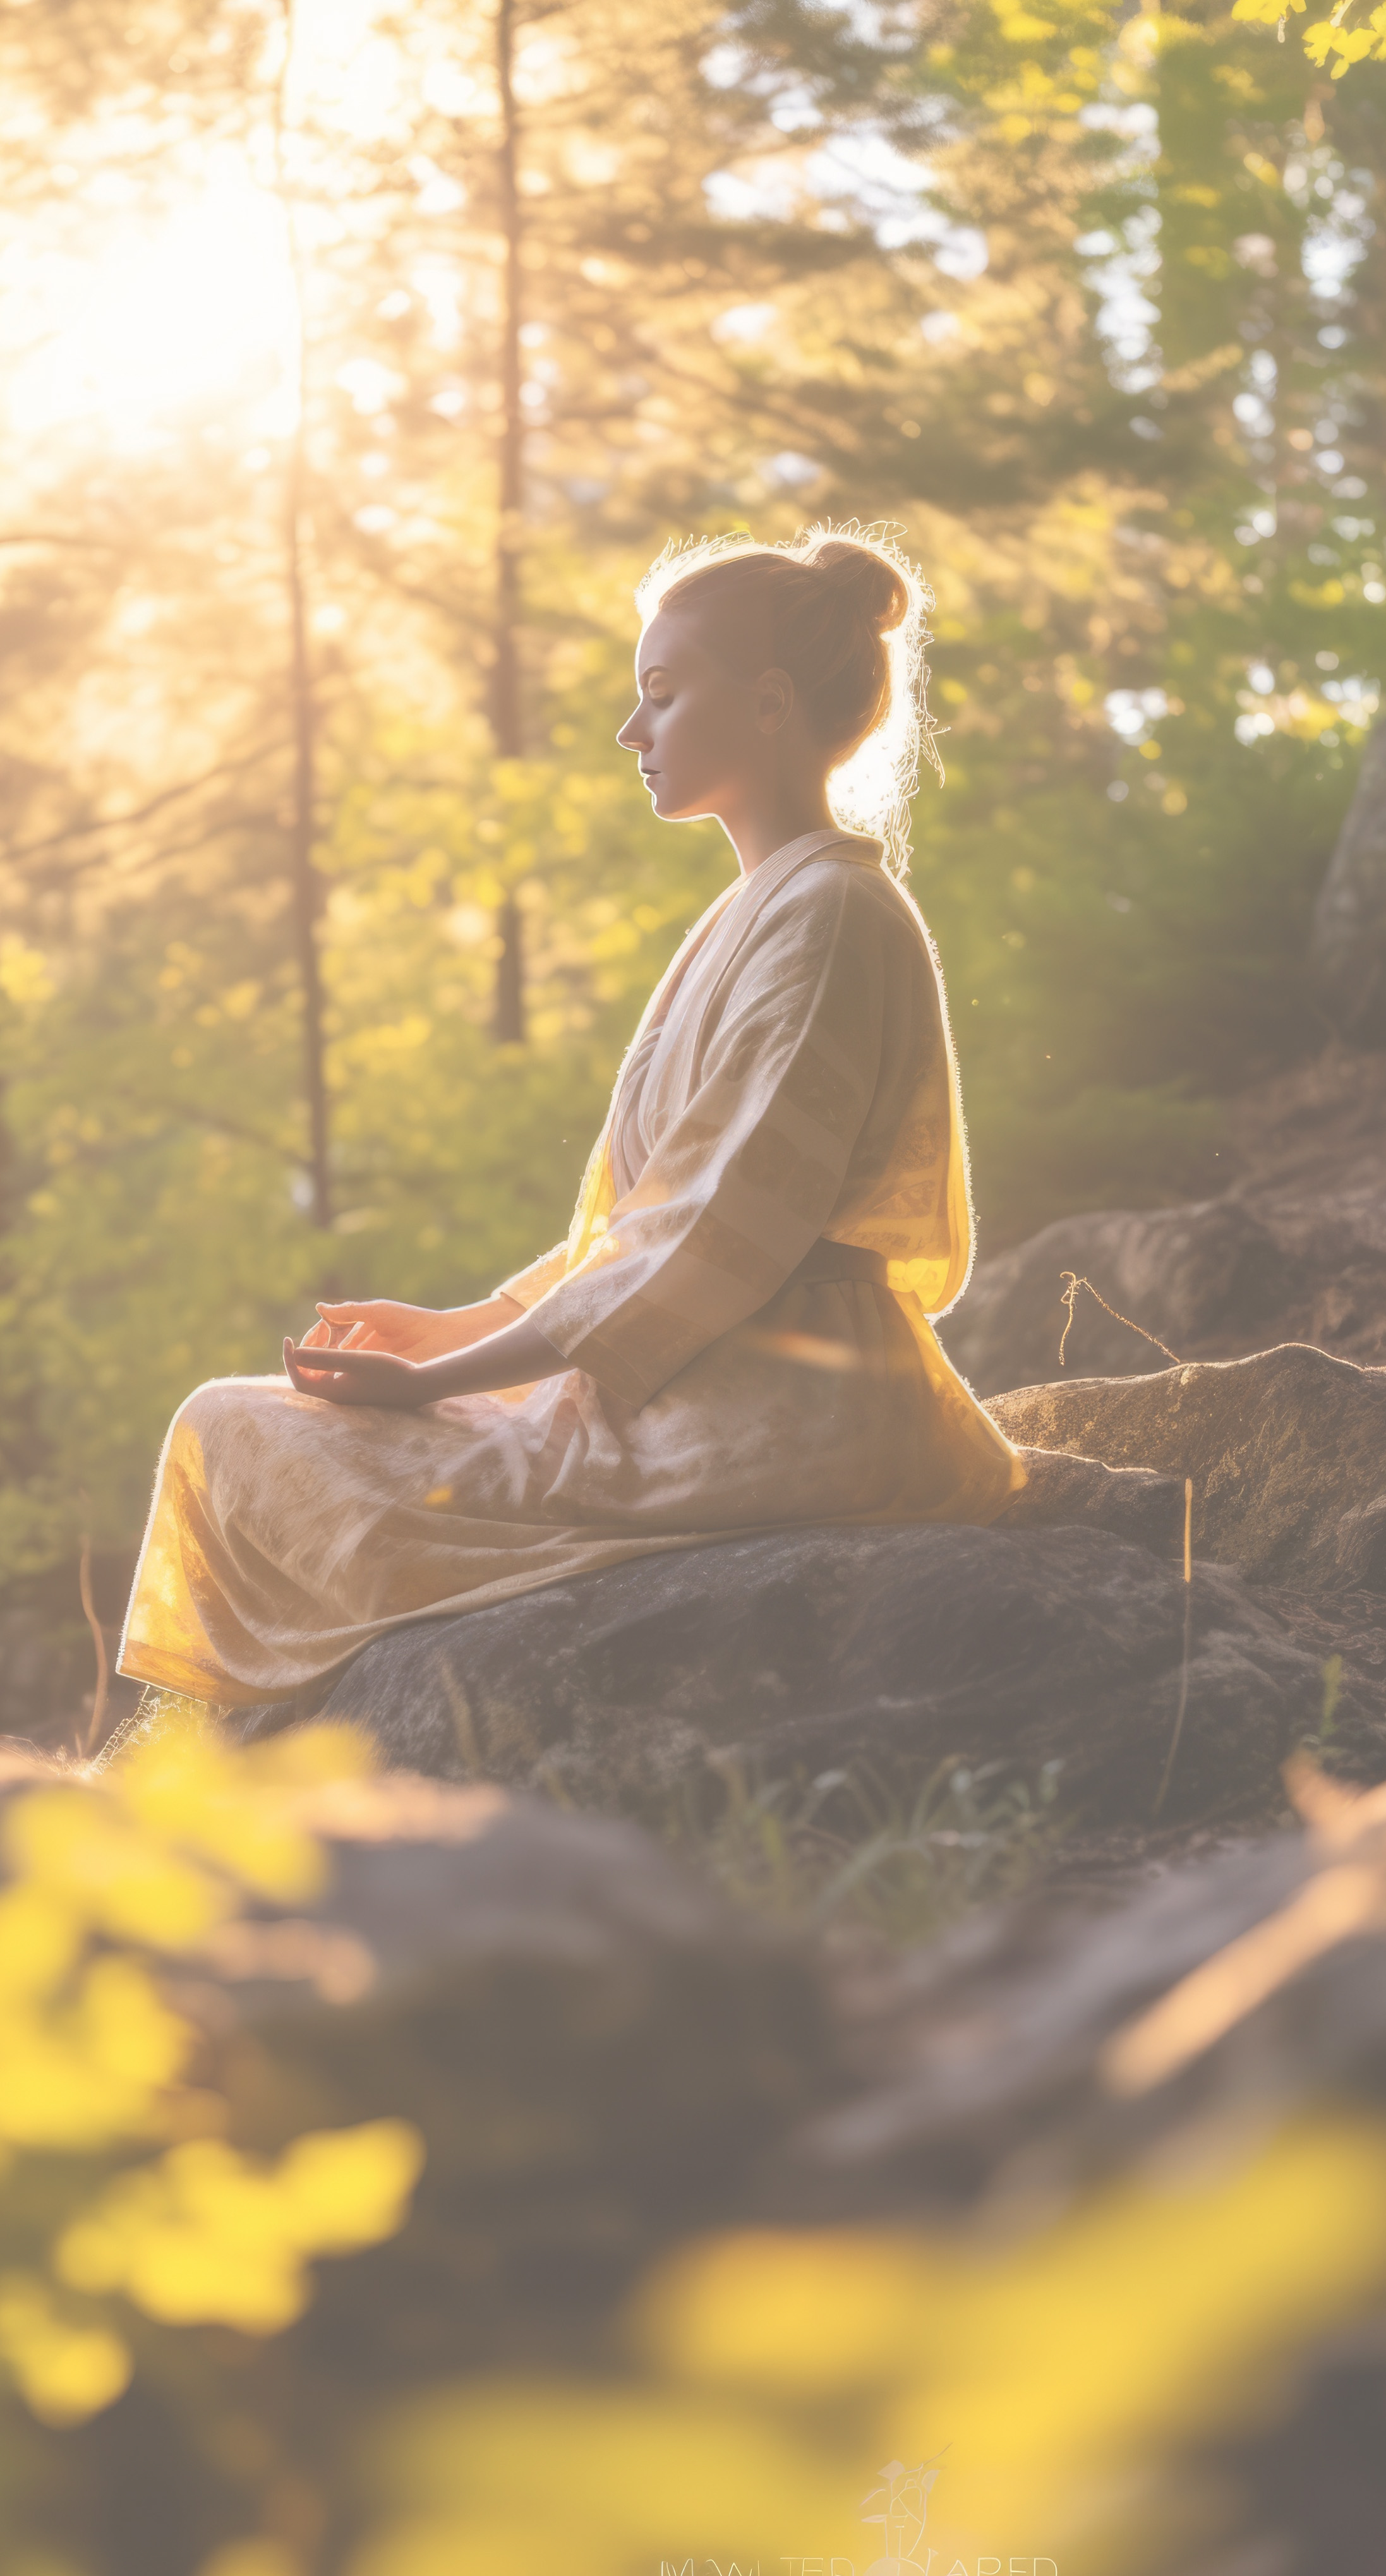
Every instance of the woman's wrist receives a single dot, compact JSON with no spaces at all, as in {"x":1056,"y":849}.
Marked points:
{"x":478,"y":1322}
{"x":516,"y":1355}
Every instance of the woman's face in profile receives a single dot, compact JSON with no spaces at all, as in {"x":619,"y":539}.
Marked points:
{"x":697,"y":730}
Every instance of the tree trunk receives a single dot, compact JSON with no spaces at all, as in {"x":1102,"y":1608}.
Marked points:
{"x":508,"y":1020}
{"x":306,"y":883}
{"x":1348,"y":950}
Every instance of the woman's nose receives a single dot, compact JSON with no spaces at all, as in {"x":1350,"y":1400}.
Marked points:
{"x":634,"y":736}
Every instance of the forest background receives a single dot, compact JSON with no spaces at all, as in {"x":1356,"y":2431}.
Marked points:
{"x":358,"y":360}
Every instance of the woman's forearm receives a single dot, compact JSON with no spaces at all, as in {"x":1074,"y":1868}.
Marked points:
{"x":517,"y":1355}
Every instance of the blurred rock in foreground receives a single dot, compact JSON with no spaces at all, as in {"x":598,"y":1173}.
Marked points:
{"x":1049,"y":2121}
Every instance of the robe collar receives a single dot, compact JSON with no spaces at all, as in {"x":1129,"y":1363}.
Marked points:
{"x":736,"y":907}
{"x":781,"y":862}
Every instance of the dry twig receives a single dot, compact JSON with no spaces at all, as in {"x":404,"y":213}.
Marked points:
{"x":1068,"y":1298}
{"x":103,"y":1670}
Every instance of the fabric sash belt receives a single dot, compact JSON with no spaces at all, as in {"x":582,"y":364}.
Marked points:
{"x":825,"y":1264}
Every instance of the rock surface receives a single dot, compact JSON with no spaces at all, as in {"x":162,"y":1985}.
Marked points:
{"x":888,"y":1650}
{"x":1287,"y":1452}
{"x":1295,"y":1250}
{"x":1186,"y":1274}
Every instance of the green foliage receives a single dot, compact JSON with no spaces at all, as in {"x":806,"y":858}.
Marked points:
{"x":1124,"y":917}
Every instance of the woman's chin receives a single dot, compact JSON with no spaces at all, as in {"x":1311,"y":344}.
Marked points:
{"x":669,"y":807}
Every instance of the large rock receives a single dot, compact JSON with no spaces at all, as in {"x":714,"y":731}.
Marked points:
{"x":1294,"y":1251}
{"x":1348,"y":950}
{"x":1186,"y":1274}
{"x":886,"y":1651}
{"x":1286,"y":1449}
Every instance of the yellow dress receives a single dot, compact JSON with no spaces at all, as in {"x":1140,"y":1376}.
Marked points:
{"x":792,"y":1079}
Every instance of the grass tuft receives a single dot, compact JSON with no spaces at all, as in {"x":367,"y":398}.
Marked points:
{"x":843,"y":1849}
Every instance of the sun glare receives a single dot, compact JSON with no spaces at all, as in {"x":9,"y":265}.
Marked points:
{"x":151,"y":319}
{"x":163,"y":319}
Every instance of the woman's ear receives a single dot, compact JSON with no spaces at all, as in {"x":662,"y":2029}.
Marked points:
{"x":773,"y":698}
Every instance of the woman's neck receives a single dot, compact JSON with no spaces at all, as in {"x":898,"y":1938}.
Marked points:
{"x":760,"y":828}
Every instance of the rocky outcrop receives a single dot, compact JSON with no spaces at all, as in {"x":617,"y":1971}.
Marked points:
{"x":1186,"y":1275}
{"x":881,"y":1651}
{"x":1293,"y":1251}
{"x":1287,"y":1452}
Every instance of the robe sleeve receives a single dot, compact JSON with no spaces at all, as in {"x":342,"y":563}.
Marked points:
{"x":746,"y":1175}
{"x":537,"y":1276}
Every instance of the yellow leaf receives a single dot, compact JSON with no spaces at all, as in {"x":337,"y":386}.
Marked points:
{"x":93,"y":2072}
{"x":64,"y":2372}
{"x":39,"y":1939}
{"x":194,"y":1791}
{"x":210,"y":2235}
{"x":346,"y":2187}
{"x":78,"y":1846}
{"x":127,"y":2029}
{"x":24,"y":976}
{"x":191,"y":2240}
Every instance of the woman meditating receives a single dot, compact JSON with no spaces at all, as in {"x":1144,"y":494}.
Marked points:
{"x":735,"y":1334}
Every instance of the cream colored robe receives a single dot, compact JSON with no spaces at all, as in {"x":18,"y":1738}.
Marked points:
{"x":792,"y":1077}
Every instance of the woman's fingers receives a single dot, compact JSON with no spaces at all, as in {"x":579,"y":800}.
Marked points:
{"x":362,"y":1333}
{"x":309,"y":1381}
{"x":355,"y":1377}
{"x":330,"y":1386}
{"x":367,"y":1362}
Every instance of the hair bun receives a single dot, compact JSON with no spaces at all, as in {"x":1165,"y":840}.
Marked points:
{"x":867,"y":581}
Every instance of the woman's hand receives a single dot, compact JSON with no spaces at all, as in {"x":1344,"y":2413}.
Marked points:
{"x":411,"y":1332}
{"x":517,"y":1355}
{"x":373,"y":1377}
